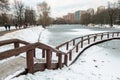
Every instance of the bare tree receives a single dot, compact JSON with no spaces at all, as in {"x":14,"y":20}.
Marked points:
{"x":4,"y":5}
{"x":100,"y":18}
{"x":30,"y":16}
{"x":118,"y":13}
{"x":85,"y":19}
{"x":19,"y":11}
{"x":4,"y":19}
{"x":44,"y":11}
{"x":111,"y":12}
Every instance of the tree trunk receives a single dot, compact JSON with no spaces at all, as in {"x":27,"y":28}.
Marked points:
{"x":111,"y":21}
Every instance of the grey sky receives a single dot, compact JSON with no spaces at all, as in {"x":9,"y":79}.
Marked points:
{"x":62,"y":7}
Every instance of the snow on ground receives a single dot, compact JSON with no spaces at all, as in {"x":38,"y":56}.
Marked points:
{"x":85,"y":32}
{"x":96,"y":63}
{"x":100,"y":62}
{"x":107,"y":26}
{"x":2,"y":28}
{"x":30,"y":34}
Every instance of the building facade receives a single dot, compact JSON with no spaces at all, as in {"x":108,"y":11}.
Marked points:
{"x":78,"y":15}
{"x":69,"y":17}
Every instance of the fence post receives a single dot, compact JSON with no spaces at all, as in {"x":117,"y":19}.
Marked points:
{"x":101,"y":36}
{"x":94,"y":38}
{"x":108,"y":35}
{"x":16,"y":45}
{"x":43,"y":53}
{"x":60,"y":60}
{"x":81,"y":42}
{"x":48,"y":59}
{"x":73,"y":42}
{"x":117,"y":33}
{"x":66,"y":59}
{"x":112,"y":34}
{"x":67,"y":45}
{"x":70,"y":55}
{"x":30,"y":61}
{"x":77,"y":48}
{"x":88,"y":40}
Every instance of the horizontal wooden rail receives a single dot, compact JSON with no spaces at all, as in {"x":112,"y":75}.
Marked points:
{"x":10,"y":41}
{"x":17,"y":51}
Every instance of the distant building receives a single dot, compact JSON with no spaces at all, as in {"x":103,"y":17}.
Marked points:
{"x":65,"y":17}
{"x":100,"y":9}
{"x":69,"y":17}
{"x":90,"y":11}
{"x":78,"y":15}
{"x":119,"y":4}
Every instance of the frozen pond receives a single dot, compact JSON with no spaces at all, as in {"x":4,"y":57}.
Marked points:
{"x":62,"y":33}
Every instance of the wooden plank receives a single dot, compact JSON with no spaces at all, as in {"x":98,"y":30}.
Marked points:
{"x":9,"y":41}
{"x":39,"y":67}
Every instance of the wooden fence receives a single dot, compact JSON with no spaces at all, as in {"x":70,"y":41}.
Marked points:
{"x":73,"y":46}
{"x":47,"y":52}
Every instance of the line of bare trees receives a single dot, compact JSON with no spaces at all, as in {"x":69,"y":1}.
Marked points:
{"x":17,"y":14}
{"x":110,"y":16}
{"x":21,"y":14}
{"x":24,"y":15}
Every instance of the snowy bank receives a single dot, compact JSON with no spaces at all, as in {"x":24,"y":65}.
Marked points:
{"x":30,"y":34}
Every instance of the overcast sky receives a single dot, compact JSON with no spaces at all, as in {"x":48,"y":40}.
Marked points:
{"x":62,"y":7}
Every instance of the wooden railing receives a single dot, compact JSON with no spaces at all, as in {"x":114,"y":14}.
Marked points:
{"x":47,"y":53}
{"x":63,"y":57}
{"x":73,"y":46}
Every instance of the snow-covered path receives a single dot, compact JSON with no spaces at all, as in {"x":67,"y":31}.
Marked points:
{"x":11,"y":66}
